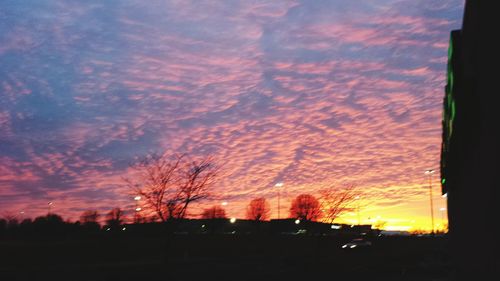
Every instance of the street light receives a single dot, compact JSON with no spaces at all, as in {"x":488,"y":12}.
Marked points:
{"x":137,"y":208}
{"x":429,"y":173}
{"x":49,"y":205}
{"x":278,"y":185}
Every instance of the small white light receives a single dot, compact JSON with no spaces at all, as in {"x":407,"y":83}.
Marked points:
{"x":334,"y":226}
{"x":224,"y":203}
{"x":124,"y":228}
{"x":138,"y":209}
{"x":232,"y":220}
{"x":345,"y":246}
{"x":445,"y":195}
{"x":108,"y":229}
{"x":279,"y":184}
{"x":137,"y":198}
{"x":297,"y":221}
{"x":203,"y":226}
{"x":352,"y":246}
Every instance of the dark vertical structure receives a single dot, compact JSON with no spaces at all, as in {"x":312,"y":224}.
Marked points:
{"x":469,"y":154}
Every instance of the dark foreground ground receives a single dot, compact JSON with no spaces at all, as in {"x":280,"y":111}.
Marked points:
{"x":223,"y":257}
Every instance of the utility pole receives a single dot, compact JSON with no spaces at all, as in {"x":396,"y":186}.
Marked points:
{"x":429,"y":173}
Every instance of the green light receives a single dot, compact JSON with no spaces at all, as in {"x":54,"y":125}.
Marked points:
{"x":443,"y":181}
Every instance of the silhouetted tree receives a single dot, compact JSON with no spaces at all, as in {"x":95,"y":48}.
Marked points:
{"x":114,"y":218}
{"x":305,"y":207}
{"x":50,"y":224}
{"x":170,"y":184}
{"x":215,"y":212}
{"x":258,"y":210}
{"x":90,"y":220}
{"x":337,"y":201}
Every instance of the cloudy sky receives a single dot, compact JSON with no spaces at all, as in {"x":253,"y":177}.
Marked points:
{"x":310,"y":93}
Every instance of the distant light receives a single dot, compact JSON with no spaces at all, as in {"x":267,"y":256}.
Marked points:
{"x":352,"y":225}
{"x":442,"y":209}
{"x":108,"y":229}
{"x":202,"y":225}
{"x":232,"y":220}
{"x":50,"y":203}
{"x":428,"y":172}
{"x":137,"y":198}
{"x":334,"y":226}
{"x":124,"y":228}
{"x":445,"y":195}
{"x":443,"y":181}
{"x":357,"y":197}
{"x":224,"y":203}
{"x":22,"y":212}
{"x":352,"y":246}
{"x":279,"y":184}
{"x":138,"y":209}
{"x":345,"y":246}
{"x":297,"y":221}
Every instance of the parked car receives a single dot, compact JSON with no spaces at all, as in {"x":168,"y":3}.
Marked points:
{"x":357,"y":243}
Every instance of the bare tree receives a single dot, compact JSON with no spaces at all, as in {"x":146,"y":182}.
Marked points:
{"x":114,"y":218}
{"x":305,"y":207}
{"x":258,"y":209}
{"x":169,"y":184}
{"x":196,"y":180}
{"x":214,"y":212}
{"x":337,"y":201}
{"x":89,"y":217}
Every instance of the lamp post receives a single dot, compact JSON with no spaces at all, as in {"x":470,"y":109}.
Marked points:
{"x":429,"y":173}
{"x":278,"y":185}
{"x":49,"y":206}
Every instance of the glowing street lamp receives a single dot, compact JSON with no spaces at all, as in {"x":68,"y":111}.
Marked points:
{"x":137,"y":208}
{"x":49,"y":206}
{"x":232,"y":220}
{"x":429,"y":173}
{"x":278,"y":185}
{"x":297,"y":221}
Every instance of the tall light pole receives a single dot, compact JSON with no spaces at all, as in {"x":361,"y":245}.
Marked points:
{"x":429,"y":173}
{"x":278,"y":185}
{"x":49,"y":205}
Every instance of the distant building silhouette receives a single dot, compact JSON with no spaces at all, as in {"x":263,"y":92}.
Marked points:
{"x":469,"y":153}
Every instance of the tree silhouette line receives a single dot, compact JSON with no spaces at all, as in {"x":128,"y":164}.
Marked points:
{"x":169,"y":185}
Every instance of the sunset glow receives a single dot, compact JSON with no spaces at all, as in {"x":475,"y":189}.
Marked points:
{"x":295,"y":95}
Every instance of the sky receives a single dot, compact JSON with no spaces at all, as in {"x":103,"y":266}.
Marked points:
{"x":308,"y":93}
